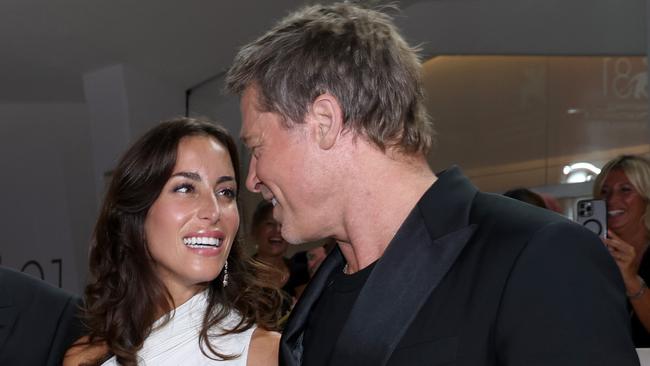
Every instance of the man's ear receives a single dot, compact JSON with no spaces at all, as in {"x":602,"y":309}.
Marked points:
{"x":327,"y":119}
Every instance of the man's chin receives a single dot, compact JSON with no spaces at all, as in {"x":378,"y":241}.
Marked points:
{"x":293,"y":238}
{"x":296,"y":241}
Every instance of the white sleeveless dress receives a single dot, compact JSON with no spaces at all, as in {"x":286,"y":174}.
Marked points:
{"x":177,"y":343}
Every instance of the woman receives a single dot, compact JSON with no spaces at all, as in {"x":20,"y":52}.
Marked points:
{"x":291,"y":275}
{"x":624,"y":183}
{"x":169,"y":282}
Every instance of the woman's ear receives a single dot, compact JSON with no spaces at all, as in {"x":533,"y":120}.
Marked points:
{"x":326,"y":118}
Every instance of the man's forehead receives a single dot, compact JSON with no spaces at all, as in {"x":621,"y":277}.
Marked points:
{"x":249,"y":101}
{"x":245,"y":134}
{"x":252,"y":129}
{"x":249,"y":113}
{"x":246,"y":138}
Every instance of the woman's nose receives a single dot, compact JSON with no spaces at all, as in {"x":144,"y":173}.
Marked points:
{"x":210,"y":209}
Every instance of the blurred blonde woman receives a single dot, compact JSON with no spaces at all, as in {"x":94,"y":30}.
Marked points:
{"x":624,"y":183}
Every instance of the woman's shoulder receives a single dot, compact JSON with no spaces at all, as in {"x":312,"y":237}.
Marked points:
{"x":264,"y":348}
{"x":82,"y":352}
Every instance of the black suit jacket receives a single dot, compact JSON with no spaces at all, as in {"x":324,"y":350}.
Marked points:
{"x":38,"y":322}
{"x":478,"y":279}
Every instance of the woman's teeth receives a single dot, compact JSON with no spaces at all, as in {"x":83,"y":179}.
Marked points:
{"x":614,"y":212}
{"x":202,"y":242}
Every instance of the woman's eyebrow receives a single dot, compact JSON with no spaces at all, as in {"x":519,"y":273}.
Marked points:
{"x":197,"y":178}
{"x":225,"y":178}
{"x":189,"y":175}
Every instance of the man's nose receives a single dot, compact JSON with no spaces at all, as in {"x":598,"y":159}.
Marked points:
{"x":252,"y":182}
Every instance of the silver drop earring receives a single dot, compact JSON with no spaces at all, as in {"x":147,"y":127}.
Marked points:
{"x":225,"y":274}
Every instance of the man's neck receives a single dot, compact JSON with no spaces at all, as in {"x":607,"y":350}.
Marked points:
{"x":384,"y":190}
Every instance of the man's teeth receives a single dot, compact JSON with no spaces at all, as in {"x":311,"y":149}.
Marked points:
{"x":202,"y":242}
{"x":274,"y":202}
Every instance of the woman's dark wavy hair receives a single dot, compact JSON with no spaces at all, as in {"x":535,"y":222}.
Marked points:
{"x":124,"y":296}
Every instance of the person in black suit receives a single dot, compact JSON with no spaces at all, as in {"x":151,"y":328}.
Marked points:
{"x":428,"y":270}
{"x":37,"y":321}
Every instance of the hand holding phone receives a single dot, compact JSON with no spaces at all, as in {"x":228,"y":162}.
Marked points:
{"x":592,"y":214}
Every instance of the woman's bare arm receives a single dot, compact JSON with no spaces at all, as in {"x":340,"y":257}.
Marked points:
{"x":82,"y":353}
{"x":264,"y":348}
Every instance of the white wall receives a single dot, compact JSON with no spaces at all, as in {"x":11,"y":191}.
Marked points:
{"x":53,"y":158}
{"x":123,"y":103}
{"x":527,"y":27}
{"x":47,"y":193}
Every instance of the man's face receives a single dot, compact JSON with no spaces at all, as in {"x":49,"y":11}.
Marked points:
{"x":284,"y":168}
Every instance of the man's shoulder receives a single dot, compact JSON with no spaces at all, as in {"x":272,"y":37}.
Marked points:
{"x":499,"y":210}
{"x":10,"y":275}
{"x":22,"y":287}
{"x":516,"y":226}
{"x":512,"y":226}
{"x":42,"y":317}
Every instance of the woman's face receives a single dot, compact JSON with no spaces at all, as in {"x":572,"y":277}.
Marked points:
{"x":269,"y":241}
{"x":625,"y":206}
{"x":192,"y":224}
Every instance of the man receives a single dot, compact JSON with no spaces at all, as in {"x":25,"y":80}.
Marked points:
{"x":429,"y":271}
{"x":38,"y":322}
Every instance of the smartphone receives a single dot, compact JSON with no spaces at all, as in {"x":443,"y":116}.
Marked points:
{"x":592,"y":214}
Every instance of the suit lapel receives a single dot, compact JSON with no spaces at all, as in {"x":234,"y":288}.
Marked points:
{"x":291,"y":341}
{"x":416,"y":260}
{"x":402,"y":280}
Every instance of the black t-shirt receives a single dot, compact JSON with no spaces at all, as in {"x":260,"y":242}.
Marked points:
{"x":640,"y":335}
{"x":330,"y":314}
